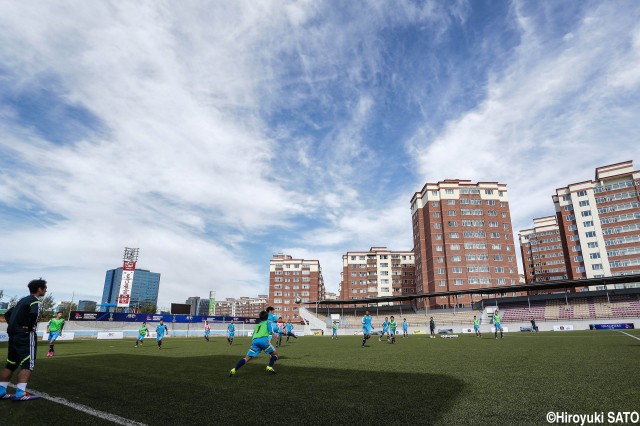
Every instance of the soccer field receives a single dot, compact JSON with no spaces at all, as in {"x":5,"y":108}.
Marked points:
{"x":320,"y":381}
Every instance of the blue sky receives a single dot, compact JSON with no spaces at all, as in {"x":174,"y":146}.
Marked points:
{"x":215,"y":134}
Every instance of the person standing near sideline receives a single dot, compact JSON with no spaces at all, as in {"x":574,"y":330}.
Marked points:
{"x":207,"y":330}
{"x":54,"y":328}
{"x":405,"y":328}
{"x":22,"y":321}
{"x":432,"y":328}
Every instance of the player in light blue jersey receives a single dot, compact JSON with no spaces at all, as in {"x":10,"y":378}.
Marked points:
{"x":259,"y":343}
{"x":231,"y":332}
{"x":272,"y":319}
{"x":405,"y":329}
{"x":385,"y":329}
{"x":289,"y":331}
{"x":334,"y":327}
{"x":367,"y":327}
{"x":161,"y":331}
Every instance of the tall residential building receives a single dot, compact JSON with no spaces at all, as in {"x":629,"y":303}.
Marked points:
{"x":599,"y":223}
{"x":290,"y":278}
{"x":144,"y":289}
{"x":376,"y":273}
{"x":462,"y":238}
{"x":542,"y":251}
{"x":249,"y":307}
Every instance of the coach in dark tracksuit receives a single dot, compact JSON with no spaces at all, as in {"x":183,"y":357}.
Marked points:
{"x":22,"y":320}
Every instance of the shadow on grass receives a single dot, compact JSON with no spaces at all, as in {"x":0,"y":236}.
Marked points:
{"x":197,"y":390}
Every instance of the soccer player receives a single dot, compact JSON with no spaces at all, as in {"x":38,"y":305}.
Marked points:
{"x":405,"y":328}
{"x":367,"y":327}
{"x":289,"y":328}
{"x":476,"y":326}
{"x":161,"y":330}
{"x":54,"y":328}
{"x":432,"y":328}
{"x":334,"y":327}
{"x":22,"y":321}
{"x":272,"y":319}
{"x":392,"y":329}
{"x":496,"y":323}
{"x":385,"y":329}
{"x":278,"y":330}
{"x":231,"y":332}
{"x":142,"y":332}
{"x":259,"y":343}
{"x":207,"y":330}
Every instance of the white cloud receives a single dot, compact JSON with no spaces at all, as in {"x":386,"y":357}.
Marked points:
{"x":558,"y":110}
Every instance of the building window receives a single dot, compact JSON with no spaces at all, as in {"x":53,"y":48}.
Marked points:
{"x":457,"y":270}
{"x":448,"y":191}
{"x":442,"y":283}
{"x":457,"y":282}
{"x":582,"y":193}
{"x":596,"y":266}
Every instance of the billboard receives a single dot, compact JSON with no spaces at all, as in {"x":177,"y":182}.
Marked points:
{"x":180,"y":308}
{"x":622,"y":326}
{"x":129,"y":260}
{"x":168,"y":318}
{"x":212,"y":303}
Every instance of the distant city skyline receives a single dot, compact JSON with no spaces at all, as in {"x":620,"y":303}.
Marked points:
{"x":214,"y":135}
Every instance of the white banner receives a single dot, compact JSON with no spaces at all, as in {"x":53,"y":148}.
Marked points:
{"x":4,"y":337}
{"x":64,"y":336}
{"x":110,"y":335}
{"x":505,"y":329}
{"x":124,"y":297}
{"x":563,"y":327}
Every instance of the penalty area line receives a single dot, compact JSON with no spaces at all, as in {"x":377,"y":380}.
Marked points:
{"x":87,"y":410}
{"x":630,"y":335}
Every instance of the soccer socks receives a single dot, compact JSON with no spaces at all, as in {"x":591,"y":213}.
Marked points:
{"x":272,"y":360}
{"x":50,"y":347}
{"x":3,"y":388}
{"x":240,"y":364}
{"x":364,"y":341}
{"x":21,"y":389}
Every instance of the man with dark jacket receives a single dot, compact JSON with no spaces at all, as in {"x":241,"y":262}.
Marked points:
{"x":22,"y":321}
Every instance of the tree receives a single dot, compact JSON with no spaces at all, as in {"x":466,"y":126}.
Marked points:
{"x":13,"y":301}
{"x":1,"y":294}
{"x":149,"y":308}
{"x":46,"y":309}
{"x":67,"y":309}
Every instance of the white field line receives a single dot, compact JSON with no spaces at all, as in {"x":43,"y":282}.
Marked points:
{"x":637,"y":338}
{"x":88,"y":410}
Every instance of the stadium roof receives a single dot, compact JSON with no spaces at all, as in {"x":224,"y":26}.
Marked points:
{"x":549,"y":285}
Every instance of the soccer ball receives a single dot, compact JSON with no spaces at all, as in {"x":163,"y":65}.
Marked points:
{"x":298,"y":299}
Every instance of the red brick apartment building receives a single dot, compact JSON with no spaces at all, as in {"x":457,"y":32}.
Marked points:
{"x":542,"y":251}
{"x":463,"y":239}
{"x":376,"y":273}
{"x":290,"y":278}
{"x":599,"y":223}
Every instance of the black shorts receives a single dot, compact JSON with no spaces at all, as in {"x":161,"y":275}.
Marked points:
{"x":22,"y":351}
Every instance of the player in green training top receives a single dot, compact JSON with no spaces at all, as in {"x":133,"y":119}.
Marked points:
{"x":392,"y":328}
{"x":476,"y":326}
{"x":142,"y":332}
{"x":54,"y":328}
{"x":259,"y":343}
{"x":497,"y":324}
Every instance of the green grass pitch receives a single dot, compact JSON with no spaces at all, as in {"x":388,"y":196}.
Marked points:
{"x":320,"y":381}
